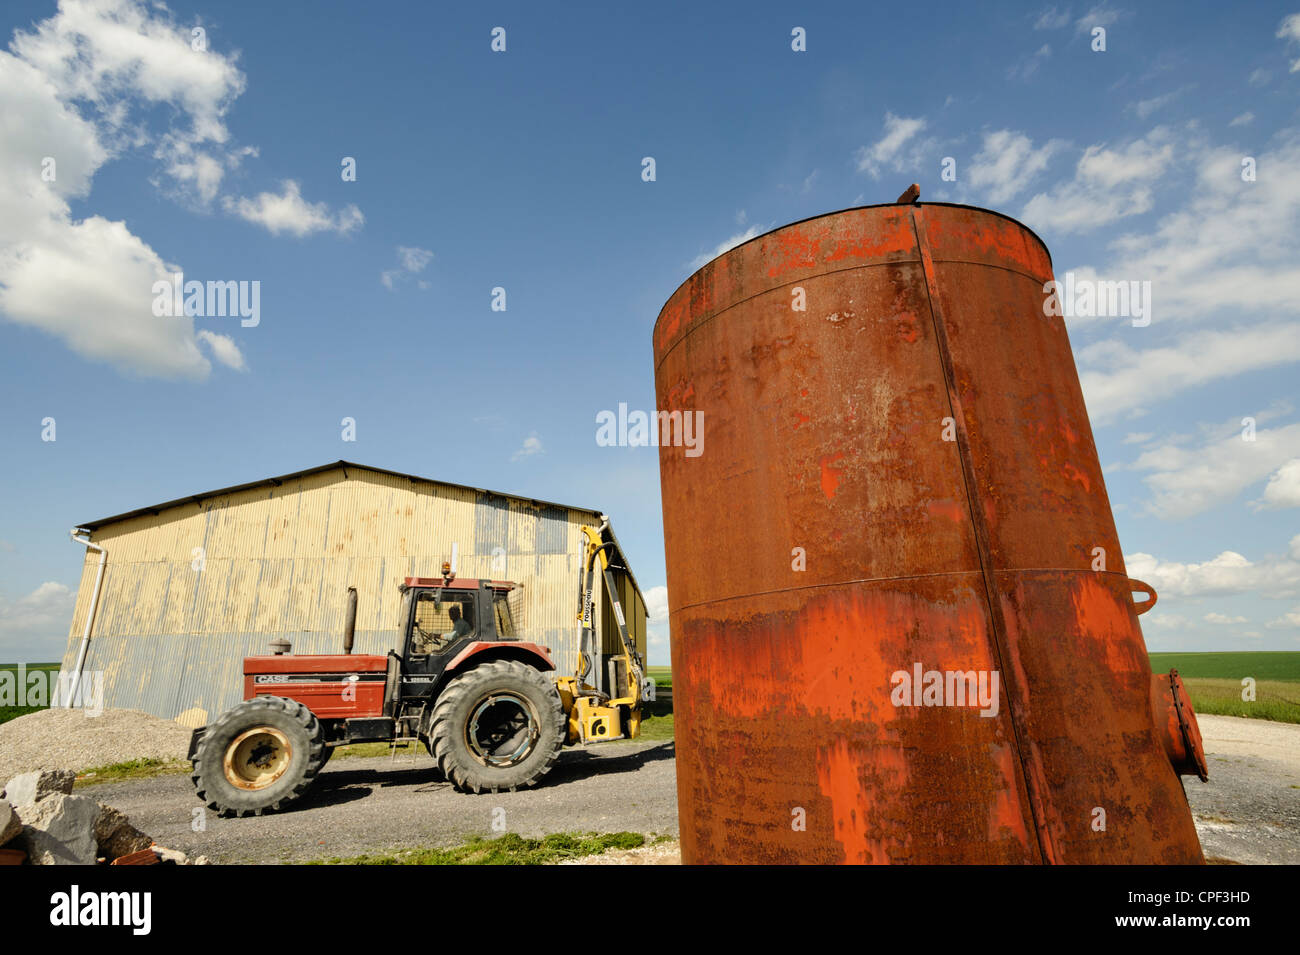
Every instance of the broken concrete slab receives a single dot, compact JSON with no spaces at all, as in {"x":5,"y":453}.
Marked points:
{"x":174,"y":856}
{"x":10,"y":824}
{"x":115,"y":836}
{"x":60,"y":830}
{"x":29,"y":788}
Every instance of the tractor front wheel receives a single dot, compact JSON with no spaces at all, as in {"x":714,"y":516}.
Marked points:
{"x":258,"y":755}
{"x":497,"y":727}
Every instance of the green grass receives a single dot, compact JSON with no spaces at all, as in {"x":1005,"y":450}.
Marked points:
{"x":132,"y":769}
{"x":663,"y":676}
{"x":657,"y":727}
{"x":1275,"y":700}
{"x":1213,"y":682}
{"x":8,"y":713}
{"x":379,"y":749}
{"x":505,"y":850}
{"x":1264,"y":665}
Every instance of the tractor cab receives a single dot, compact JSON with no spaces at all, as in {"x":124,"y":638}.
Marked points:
{"x":449,"y":623}
{"x":440,"y":616}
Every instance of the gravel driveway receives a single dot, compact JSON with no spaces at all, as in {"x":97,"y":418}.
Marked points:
{"x":373,"y":805}
{"x":1248,"y":812}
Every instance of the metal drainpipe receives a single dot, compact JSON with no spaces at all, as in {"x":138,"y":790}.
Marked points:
{"x":90,"y":616}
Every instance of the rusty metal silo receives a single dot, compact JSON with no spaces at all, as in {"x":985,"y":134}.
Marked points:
{"x":901,"y":478}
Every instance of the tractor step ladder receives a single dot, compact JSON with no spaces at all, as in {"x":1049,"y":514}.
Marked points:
{"x":418,"y":716}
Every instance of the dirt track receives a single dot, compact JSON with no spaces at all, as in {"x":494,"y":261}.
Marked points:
{"x":1249,"y":811}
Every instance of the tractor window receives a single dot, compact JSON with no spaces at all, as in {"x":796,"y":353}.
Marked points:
{"x":440,"y":620}
{"x":505,"y":624}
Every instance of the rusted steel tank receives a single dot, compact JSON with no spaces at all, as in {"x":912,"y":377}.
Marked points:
{"x":900,"y":479}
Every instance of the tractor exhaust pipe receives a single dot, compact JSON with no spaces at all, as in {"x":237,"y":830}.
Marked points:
{"x":350,"y":621}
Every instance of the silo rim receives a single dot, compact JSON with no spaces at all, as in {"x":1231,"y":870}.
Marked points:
{"x":824,"y":215}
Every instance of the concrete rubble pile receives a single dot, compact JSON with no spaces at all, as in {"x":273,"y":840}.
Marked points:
{"x":43,"y":823}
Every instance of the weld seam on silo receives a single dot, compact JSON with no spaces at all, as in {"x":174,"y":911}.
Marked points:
{"x":834,"y":583}
{"x":875,"y":205}
{"x":874,"y":580}
{"x":766,"y":291}
{"x":1030,"y":771}
{"x":988,"y":265}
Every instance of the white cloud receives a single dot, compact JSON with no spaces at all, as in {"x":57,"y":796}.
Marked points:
{"x":1028,"y":66}
{"x":1283,"y":488}
{"x":532,"y":445}
{"x":1165,"y":621}
{"x":1259,"y":77}
{"x":1099,"y":16}
{"x":1006,"y":162}
{"x":1229,"y":573}
{"x":888,"y":151}
{"x":34,"y":628}
{"x":1187,"y":479}
{"x":224,"y":350}
{"x":1219,"y":618}
{"x":1052,"y":19}
{"x":1289,"y":30}
{"x":656,"y":608}
{"x":1136,"y":437}
{"x":411,"y":260}
{"x":1231,"y":253}
{"x":70,"y":91}
{"x":117,"y":55}
{"x":1233,"y":244}
{"x":1288,"y":620}
{"x":656,"y":603}
{"x":1244,"y":119}
{"x":1116,"y":377}
{"x":1108,"y":184}
{"x":289,"y":212}
{"x":726,"y":245}
{"x":1145,"y":107}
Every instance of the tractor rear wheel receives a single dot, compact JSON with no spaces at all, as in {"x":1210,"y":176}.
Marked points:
{"x":261,"y":754}
{"x":497,"y":727}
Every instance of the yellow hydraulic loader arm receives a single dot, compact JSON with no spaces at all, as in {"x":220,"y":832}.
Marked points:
{"x":594,"y":715}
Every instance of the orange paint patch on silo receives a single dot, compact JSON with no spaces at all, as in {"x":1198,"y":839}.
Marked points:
{"x":1074,"y":474}
{"x":950,"y":510}
{"x":830,"y":474}
{"x":839,"y":777}
{"x":794,"y":250}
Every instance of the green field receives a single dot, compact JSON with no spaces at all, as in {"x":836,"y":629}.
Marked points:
{"x":1266,"y":665}
{"x":8,"y":712}
{"x":1213,"y":681}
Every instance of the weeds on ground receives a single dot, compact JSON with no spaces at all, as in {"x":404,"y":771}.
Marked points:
{"x":509,"y":849}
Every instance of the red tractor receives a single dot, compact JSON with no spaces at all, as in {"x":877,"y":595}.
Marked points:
{"x":487,"y":704}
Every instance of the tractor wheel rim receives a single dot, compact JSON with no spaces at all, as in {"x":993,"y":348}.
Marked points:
{"x":256,"y":758}
{"x":502,"y":730}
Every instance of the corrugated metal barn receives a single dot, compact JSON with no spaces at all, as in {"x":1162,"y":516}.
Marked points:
{"x":192,"y":586}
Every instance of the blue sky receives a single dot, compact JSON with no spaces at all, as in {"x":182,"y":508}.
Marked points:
{"x":522,"y":170}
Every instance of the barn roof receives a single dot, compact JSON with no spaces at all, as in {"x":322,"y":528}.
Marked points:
{"x":334,"y":466}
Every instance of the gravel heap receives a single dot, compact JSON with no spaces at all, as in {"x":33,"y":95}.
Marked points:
{"x":70,"y":739}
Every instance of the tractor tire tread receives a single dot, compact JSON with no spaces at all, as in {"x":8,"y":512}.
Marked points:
{"x":247,"y":714}
{"x":444,"y":725}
